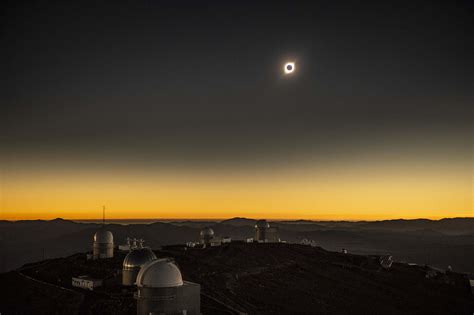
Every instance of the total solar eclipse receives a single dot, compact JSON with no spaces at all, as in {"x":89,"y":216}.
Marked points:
{"x":289,"y":67}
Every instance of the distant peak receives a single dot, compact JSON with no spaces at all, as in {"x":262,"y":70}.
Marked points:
{"x":239,"y":221}
{"x":60,"y":220}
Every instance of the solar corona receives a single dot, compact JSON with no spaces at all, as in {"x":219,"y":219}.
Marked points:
{"x":289,"y":67}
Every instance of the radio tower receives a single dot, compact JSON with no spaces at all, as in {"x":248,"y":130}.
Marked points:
{"x":103,"y":216}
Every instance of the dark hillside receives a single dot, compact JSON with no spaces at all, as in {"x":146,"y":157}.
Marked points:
{"x":255,"y":279}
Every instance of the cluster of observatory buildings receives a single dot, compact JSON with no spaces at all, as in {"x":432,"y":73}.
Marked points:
{"x":160,"y":288}
{"x":263,"y":234}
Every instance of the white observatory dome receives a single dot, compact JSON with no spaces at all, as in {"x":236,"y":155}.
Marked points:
{"x":161,"y":273}
{"x":137,"y":258}
{"x":207,"y":231}
{"x":103,"y":236}
{"x":262,"y":224}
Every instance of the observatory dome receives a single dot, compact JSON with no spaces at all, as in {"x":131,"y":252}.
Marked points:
{"x":262,"y":224}
{"x":207,"y":231}
{"x":103,"y":236}
{"x":161,"y":273}
{"x":137,"y":258}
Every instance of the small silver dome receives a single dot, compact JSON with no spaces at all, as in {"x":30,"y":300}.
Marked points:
{"x":137,"y":258}
{"x":103,"y":236}
{"x":160,"y":273}
{"x":262,"y":224}
{"x":207,"y":231}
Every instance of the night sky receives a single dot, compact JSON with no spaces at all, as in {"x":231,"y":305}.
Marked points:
{"x":191,"y":95}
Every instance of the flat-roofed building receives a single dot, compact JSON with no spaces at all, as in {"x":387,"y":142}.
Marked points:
{"x":86,"y":282}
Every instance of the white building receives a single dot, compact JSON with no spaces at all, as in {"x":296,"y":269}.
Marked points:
{"x":215,"y":241}
{"x":129,"y":245}
{"x":266,"y":234}
{"x":133,"y":262}
{"x":206,"y":235}
{"x":86,"y":282}
{"x":161,"y":290}
{"x":103,"y":246}
{"x":191,"y":244}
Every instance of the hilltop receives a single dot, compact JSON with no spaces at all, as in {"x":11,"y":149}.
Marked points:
{"x":251,"y":278}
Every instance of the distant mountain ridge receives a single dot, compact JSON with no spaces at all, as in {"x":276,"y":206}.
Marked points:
{"x":436,"y":242}
{"x":460,"y":225}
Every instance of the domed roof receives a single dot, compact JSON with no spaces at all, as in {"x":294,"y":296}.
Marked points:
{"x":138,"y":257}
{"x":103,"y":236}
{"x":207,"y":231}
{"x":262,"y":224}
{"x":160,"y":273}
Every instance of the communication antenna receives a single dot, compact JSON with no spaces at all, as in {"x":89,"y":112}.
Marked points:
{"x":103,"y":215}
{"x":129,"y":244}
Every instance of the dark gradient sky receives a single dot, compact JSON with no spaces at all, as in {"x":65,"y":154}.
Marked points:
{"x":198,"y":84}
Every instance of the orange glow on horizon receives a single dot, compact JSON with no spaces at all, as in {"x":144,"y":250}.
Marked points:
{"x":351,"y":193}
